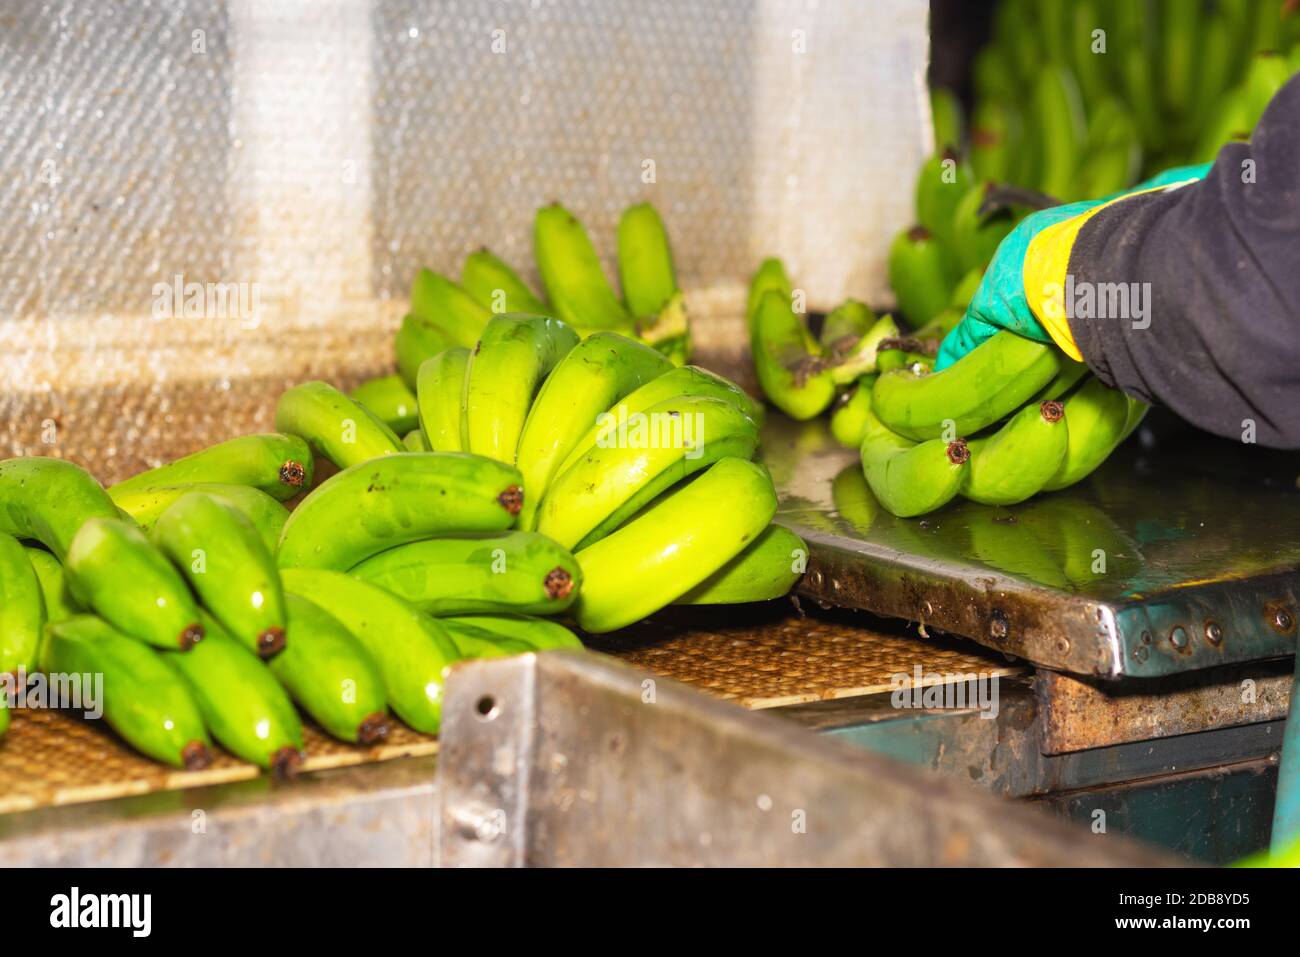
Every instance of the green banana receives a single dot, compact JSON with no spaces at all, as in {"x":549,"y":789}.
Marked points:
{"x":962,"y":294}
{"x":415,"y":441}
{"x":1216,"y":67}
{"x":267,"y":515}
{"x":673,"y":545}
{"x":1137,"y":411}
{"x":945,"y":110}
{"x":895,"y":357}
{"x":241,"y":702}
{"x":1065,"y":380}
{"x":788,"y":360}
{"x":48,"y":500}
{"x":1114,"y":156}
{"x":945,"y":178}
{"x":1018,"y":459}
{"x":496,"y":287}
{"x":418,"y":339}
{"x":995,"y":135}
{"x":1180,"y":27}
{"x":908,"y":478}
{"x":506,"y":368}
{"x":1095,"y":420}
{"x":514,"y":571}
{"x":440,"y":391}
{"x":390,"y":399}
{"x":943,"y":323}
{"x":144,"y":701}
{"x":595,"y":375}
{"x":411,"y":649}
{"x":769,"y":277}
{"x":114,"y":569}
{"x":922,"y":273}
{"x":4,"y":718}
{"x":768,"y":568}
{"x":279,"y":465}
{"x":682,"y":381}
{"x":645,"y":261}
{"x":852,"y":360}
{"x":1235,"y":116}
{"x":331,"y":676}
{"x":976,"y":234}
{"x":472,"y":642}
{"x":1053,"y":29}
{"x":539,"y":634}
{"x":1057,"y":117}
{"x":220,"y":553}
{"x":995,"y":79}
{"x":397,"y":499}
{"x":1089,"y":67}
{"x":22,"y":609}
{"x":1139,"y":93}
{"x":849,"y":417}
{"x":57,"y":593}
{"x":447,"y":308}
{"x":572,"y":275}
{"x":333,"y":425}
{"x":988,"y":383}
{"x":845,"y":325}
{"x":639,"y":458}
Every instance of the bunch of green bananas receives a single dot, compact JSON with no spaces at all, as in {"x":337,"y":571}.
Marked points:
{"x":1009,"y":420}
{"x":445,"y":314}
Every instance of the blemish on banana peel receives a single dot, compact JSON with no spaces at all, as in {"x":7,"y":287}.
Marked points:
{"x":805,"y":369}
{"x":195,"y":756}
{"x":558,"y":584}
{"x":286,"y":762}
{"x":923,"y":347}
{"x":1051,"y":411}
{"x":270,"y":642}
{"x":292,"y":474}
{"x":190,"y":636}
{"x":373,"y":729}
{"x":958,"y":452}
{"x":512,"y":499}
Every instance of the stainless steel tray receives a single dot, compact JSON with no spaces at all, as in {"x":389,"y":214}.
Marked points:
{"x":1168,"y":560}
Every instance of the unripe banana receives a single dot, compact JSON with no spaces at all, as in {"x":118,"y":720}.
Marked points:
{"x":922,"y":273}
{"x":673,"y":545}
{"x":418,"y":339}
{"x":673,"y":439}
{"x":447,"y":308}
{"x":1216,"y":68}
{"x":768,"y":568}
{"x":1090,"y":68}
{"x":241,"y":702}
{"x":1180,"y":24}
{"x":572,"y":274}
{"x":995,"y":79}
{"x":1057,"y":113}
{"x":908,"y":478}
{"x":496,"y":287}
{"x":995,"y":136}
{"x":1114,"y":151}
{"x":985,"y":385}
{"x":596,"y":374}
{"x":683,"y":381}
{"x":852,"y":360}
{"x":49,"y":500}
{"x":539,"y":634}
{"x":333,"y":425}
{"x":1137,"y":411}
{"x":279,"y":465}
{"x":143,"y":699}
{"x":845,"y":325}
{"x":1018,"y":459}
{"x":22,"y":609}
{"x":1095,"y":419}
{"x":506,"y":368}
{"x":788,"y":360}
{"x":331,"y":676}
{"x":267,"y":515}
{"x":945,"y":110}
{"x":113,"y":569}
{"x":411,"y":649}
{"x":440,"y":391}
{"x":512,"y":572}
{"x":397,"y":499}
{"x":945,"y":178}
{"x":1065,"y":380}
{"x":1139,"y":93}
{"x":962,"y":294}
{"x":769,"y":277}
{"x":229,"y":567}
{"x":390,"y":400}
{"x":645,"y":261}
{"x":57,"y":593}
{"x":976,"y":235}
{"x":414,"y":441}
{"x":849,"y":417}
{"x":472,"y":642}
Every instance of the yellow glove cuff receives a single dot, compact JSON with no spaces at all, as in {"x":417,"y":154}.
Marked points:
{"x":1047,"y":263}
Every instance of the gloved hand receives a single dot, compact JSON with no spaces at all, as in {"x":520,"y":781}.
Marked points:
{"x":1036,"y":255}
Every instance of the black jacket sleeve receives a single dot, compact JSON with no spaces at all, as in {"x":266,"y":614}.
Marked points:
{"x":1219,"y":263}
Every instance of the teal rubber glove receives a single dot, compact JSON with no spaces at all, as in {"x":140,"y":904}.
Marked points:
{"x":1000,"y":301}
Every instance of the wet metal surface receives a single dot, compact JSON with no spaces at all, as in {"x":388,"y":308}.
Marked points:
{"x":1161,"y":562}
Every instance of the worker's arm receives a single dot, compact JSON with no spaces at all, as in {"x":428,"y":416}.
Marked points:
{"x":1212,"y":274}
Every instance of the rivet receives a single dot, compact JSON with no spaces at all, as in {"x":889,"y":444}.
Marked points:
{"x":1283,"y":621}
{"x":1213,"y":633}
{"x":1140,"y":653}
{"x":1178,"y":638}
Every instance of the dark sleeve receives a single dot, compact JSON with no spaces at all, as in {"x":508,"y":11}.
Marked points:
{"x":1219,"y":264}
